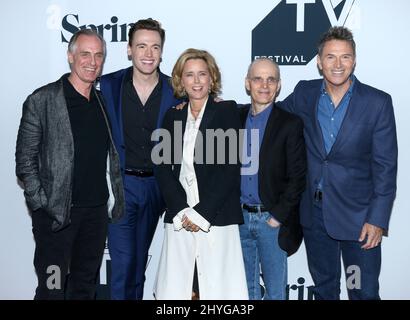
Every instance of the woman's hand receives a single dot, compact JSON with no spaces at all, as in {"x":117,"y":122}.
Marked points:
{"x":188,"y":225}
{"x":180,"y":106}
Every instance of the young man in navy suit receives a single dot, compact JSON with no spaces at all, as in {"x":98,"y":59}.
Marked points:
{"x":351,"y":142}
{"x":137,"y":99}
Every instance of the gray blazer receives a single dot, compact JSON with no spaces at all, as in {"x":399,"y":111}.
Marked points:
{"x":45,"y":156}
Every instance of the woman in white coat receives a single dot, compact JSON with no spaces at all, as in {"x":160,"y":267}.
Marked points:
{"x":200,"y":180}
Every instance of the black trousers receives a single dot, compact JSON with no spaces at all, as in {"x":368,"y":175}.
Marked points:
{"x":67,"y":262}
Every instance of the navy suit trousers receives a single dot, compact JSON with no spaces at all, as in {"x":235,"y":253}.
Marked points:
{"x":129,"y":240}
{"x":362,"y":267}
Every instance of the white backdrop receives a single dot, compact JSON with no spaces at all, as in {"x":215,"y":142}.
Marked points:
{"x":32,"y":54}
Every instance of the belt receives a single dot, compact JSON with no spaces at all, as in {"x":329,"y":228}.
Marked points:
{"x":139,"y":173}
{"x":254,"y":209}
{"x":318,"y":195}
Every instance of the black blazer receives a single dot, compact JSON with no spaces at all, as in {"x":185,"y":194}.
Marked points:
{"x":282,"y":171}
{"x":218,"y":184}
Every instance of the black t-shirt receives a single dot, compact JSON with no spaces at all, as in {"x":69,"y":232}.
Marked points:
{"x":91,"y":141}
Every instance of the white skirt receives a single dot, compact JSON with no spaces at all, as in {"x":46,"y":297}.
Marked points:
{"x":220,"y":266}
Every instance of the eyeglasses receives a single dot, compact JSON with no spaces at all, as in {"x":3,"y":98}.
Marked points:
{"x":260,"y":81}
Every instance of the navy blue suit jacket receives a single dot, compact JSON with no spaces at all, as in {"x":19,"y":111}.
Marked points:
{"x":359,"y":173}
{"x":111,"y":88}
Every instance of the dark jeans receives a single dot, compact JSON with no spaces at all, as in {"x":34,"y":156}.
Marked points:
{"x":324,"y":254}
{"x":67,"y":262}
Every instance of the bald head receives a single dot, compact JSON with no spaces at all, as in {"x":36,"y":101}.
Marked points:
{"x":262,"y":83}
{"x":264,"y":63}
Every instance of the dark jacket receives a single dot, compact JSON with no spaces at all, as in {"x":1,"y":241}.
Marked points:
{"x":359,"y":173}
{"x":282,"y":172}
{"x":218,"y":184}
{"x":45,"y":156}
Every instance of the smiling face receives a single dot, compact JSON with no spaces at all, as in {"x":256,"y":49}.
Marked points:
{"x":337,"y":63}
{"x":263,"y":83}
{"x":196,"y":80}
{"x":145,"y":51}
{"x":86,"y":59}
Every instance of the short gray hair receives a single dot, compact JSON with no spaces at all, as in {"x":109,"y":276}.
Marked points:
{"x":86,"y":32}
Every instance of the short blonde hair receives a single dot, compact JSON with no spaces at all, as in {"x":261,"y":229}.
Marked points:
{"x":189,"y":54}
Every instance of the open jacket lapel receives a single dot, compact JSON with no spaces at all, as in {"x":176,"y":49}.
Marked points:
{"x":272,"y":127}
{"x":354,"y":112}
{"x":208,"y":115}
{"x":318,"y":142}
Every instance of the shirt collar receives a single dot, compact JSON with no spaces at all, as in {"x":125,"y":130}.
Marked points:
{"x":71,"y":93}
{"x":260,"y":114}
{"x":128,"y":79}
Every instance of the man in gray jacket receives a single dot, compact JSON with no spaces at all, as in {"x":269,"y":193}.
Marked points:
{"x":63,"y":144}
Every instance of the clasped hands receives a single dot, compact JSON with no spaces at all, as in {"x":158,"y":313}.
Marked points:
{"x":188,"y":225}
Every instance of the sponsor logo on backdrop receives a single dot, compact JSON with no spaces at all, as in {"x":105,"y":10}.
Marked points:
{"x":297,"y":291}
{"x":289,"y":33}
{"x":113,"y":30}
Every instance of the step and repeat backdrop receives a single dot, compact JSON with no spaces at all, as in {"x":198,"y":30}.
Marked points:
{"x":34,"y":37}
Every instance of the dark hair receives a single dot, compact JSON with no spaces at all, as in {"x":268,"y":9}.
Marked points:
{"x":146,"y":24}
{"x":337,"y":33}
{"x":85,"y":32}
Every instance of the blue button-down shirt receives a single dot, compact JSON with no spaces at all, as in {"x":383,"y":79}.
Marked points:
{"x":331,"y":118}
{"x":250,"y":183}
